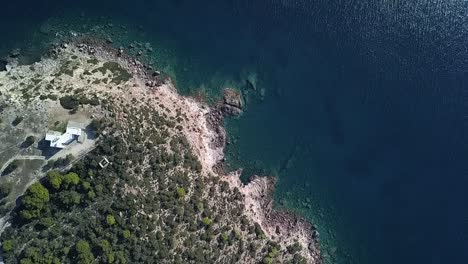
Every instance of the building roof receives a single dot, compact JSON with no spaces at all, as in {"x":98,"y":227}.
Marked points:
{"x":51,"y":135}
{"x":58,"y":140}
{"x":73,"y":131}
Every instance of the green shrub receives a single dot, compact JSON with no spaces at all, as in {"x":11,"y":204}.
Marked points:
{"x":69,"y":102}
{"x":207,"y":221}
{"x":11,"y":167}
{"x":181,"y":192}
{"x":126,"y":233}
{"x":296,"y":247}
{"x":17,"y":120}
{"x":52,"y":97}
{"x":28,"y":141}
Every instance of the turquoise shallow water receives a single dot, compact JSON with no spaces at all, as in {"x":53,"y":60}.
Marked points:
{"x":359,"y":107}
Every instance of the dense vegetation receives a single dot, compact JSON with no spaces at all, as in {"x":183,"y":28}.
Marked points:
{"x":71,"y":102}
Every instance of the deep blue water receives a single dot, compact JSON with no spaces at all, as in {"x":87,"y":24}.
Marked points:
{"x":364,"y":112}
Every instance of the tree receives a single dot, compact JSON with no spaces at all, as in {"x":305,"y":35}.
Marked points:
{"x":46,"y":222}
{"x":105,"y":245}
{"x":34,"y":200}
{"x":126,"y":233}
{"x":55,"y":179}
{"x":69,"y":102}
{"x":107,"y":251}
{"x":50,"y":163}
{"x":71,"y":179}
{"x":86,"y":185}
{"x":70,"y":198}
{"x":7,"y":246}
{"x":11,"y":167}
{"x":91,"y":195}
{"x":258,"y":231}
{"x":83,"y":251}
{"x":110,"y":220}
{"x":82,"y":247}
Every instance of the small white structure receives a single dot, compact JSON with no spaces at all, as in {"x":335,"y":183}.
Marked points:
{"x":59,"y":140}
{"x":104,"y":163}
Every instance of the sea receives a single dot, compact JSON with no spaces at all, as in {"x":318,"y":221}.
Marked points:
{"x":358,"y":107}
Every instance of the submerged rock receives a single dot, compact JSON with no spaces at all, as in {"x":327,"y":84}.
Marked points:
{"x":3,"y":64}
{"x":252,"y":81}
{"x":233,"y":98}
{"x":232,"y":102}
{"x":15,"y":53}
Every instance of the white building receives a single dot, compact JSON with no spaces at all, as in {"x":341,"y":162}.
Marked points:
{"x":59,"y":140}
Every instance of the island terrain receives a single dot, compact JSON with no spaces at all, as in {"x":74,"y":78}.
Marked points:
{"x":142,"y":181}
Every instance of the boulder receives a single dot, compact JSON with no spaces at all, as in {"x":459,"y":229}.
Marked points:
{"x":233,"y":98}
{"x":232,"y":102}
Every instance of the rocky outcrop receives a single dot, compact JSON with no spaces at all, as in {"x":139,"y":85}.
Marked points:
{"x":232,"y":102}
{"x":283,"y":227}
{"x":233,"y":98}
{"x":279,"y":224}
{"x":231,"y":105}
{"x":10,"y":61}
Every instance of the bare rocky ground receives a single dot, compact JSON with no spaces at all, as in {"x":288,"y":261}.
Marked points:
{"x":24,"y":113}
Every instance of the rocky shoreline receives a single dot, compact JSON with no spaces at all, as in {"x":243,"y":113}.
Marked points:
{"x":281,"y":226}
{"x":278,"y":225}
{"x":208,"y":140}
{"x":284,"y":225}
